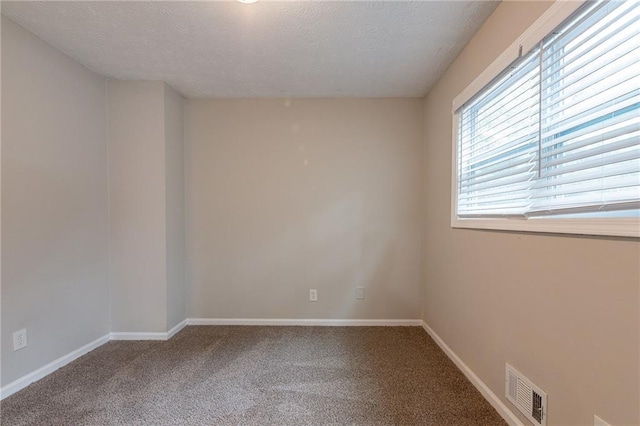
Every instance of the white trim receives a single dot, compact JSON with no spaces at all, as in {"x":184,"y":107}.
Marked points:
{"x":484,"y":390}
{"x":616,"y":227}
{"x":305,"y":322}
{"x":548,"y":21}
{"x":175,"y":329}
{"x":126,"y":335}
{"x":41,"y":372}
{"x":454,"y":171}
{"x":629,"y":227}
{"x":123,"y":335}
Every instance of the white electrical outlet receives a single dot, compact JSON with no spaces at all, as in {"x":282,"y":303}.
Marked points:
{"x":597,"y":421}
{"x":359,"y":292}
{"x":313,"y":295}
{"x":20,"y":339}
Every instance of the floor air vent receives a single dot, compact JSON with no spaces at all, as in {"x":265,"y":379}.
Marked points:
{"x":526,"y":396}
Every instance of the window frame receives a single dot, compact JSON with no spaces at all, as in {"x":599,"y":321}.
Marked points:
{"x":618,"y":227}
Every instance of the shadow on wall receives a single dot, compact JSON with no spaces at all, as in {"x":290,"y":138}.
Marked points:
{"x":345,"y":256}
{"x":286,"y":197}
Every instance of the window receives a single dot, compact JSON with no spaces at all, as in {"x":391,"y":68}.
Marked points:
{"x":552,"y":143}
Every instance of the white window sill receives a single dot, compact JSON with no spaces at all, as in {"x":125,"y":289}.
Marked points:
{"x":619,"y":227}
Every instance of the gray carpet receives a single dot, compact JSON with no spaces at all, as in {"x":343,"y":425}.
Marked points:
{"x":258,"y":376}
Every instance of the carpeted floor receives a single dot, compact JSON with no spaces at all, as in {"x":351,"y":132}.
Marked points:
{"x":209,"y":375}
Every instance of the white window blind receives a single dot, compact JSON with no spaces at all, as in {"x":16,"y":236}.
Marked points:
{"x":498,"y":134}
{"x":559,"y":132}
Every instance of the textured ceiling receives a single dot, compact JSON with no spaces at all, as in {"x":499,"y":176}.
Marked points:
{"x":265,"y":49}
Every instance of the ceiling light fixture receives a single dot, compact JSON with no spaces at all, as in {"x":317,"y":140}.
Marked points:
{"x":247,"y":1}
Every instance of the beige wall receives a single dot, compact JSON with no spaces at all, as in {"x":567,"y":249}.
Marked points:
{"x":54,"y":203}
{"x":564,"y":310}
{"x":137,"y":206}
{"x":284,"y":196}
{"x":174,"y":177}
{"x":146,"y":202}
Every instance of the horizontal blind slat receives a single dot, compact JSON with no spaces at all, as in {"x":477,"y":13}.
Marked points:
{"x":470,"y":184}
{"x":624,"y":17}
{"x":514,"y":98}
{"x":511,"y":188}
{"x":578,"y":64}
{"x":494,"y":183}
{"x":584,"y":154}
{"x":560,"y":132}
{"x":628,"y":130}
{"x":585,"y":80}
{"x":575,"y":209}
{"x":497,"y":166}
{"x":618,"y":85}
{"x":609,"y":170}
{"x":598,"y":116}
{"x":594,"y":162}
{"x":615,"y":182}
{"x":592,"y":15}
{"x":478,"y":156}
{"x":585,"y":202}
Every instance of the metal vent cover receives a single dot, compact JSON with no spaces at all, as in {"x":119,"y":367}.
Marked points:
{"x":527,"y":397}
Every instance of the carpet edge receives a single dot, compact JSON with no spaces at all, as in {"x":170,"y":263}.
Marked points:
{"x":307,"y":322}
{"x":49,"y":368}
{"x":484,"y":390}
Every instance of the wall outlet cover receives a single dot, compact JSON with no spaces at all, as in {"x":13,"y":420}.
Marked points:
{"x":19,"y":339}
{"x":313,"y":295}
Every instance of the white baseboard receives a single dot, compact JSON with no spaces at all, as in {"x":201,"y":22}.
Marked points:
{"x":126,"y":335}
{"x":305,"y":322}
{"x":41,"y":372}
{"x":123,"y":335}
{"x":176,"y":328}
{"x":491,"y":397}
